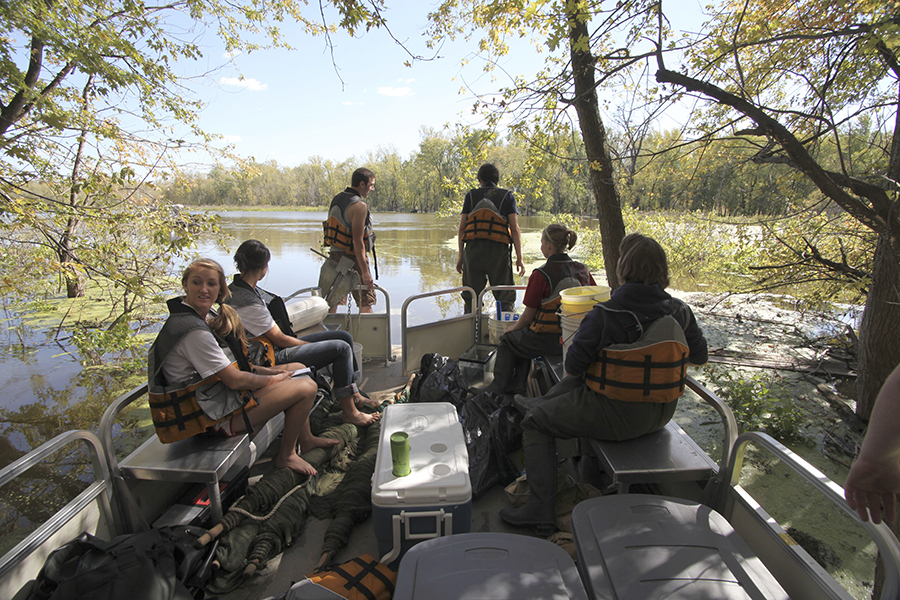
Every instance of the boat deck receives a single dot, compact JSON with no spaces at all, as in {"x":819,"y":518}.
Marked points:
{"x":380,"y":382}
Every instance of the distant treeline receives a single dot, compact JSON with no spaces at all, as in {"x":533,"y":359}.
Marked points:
{"x":656,"y":172}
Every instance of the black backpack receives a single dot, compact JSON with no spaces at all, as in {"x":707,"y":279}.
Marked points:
{"x":160,"y":564}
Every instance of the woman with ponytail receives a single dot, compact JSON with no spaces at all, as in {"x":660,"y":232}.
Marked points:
{"x":317,"y":350}
{"x":198,"y":370}
{"x":537,"y":331}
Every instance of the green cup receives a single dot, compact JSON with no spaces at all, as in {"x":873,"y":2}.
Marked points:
{"x":400,"y":454}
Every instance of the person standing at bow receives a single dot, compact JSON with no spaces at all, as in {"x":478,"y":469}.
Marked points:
{"x":348,"y":232}
{"x":488,"y":231}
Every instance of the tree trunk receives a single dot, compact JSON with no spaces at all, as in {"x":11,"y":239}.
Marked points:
{"x":74,"y":282}
{"x":879,"y":329}
{"x":593,"y":133}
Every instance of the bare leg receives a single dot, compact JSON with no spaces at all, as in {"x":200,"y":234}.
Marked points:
{"x":294,"y":397}
{"x":310,"y":442}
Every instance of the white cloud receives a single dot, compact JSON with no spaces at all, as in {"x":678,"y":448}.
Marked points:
{"x":410,"y":80}
{"x":247,"y":84}
{"x":395,"y":91}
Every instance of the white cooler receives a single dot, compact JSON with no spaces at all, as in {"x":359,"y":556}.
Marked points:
{"x":435,"y":499}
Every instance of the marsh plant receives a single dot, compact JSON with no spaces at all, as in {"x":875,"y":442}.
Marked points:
{"x":761,"y":401}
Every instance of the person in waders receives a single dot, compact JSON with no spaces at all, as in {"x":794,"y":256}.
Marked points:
{"x":625,"y":370}
{"x":537,"y":331}
{"x":488,"y":231}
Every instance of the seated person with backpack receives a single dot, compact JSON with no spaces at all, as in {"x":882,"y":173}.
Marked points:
{"x":536,"y":332}
{"x":270,"y":319}
{"x":603,"y":395}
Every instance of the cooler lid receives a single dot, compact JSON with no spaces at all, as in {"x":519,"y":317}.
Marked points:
{"x":438,"y":460}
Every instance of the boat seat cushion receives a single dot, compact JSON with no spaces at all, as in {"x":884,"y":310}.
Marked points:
{"x":640,"y":546}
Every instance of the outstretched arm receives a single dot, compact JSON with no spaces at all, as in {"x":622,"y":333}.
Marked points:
{"x":874,"y":480}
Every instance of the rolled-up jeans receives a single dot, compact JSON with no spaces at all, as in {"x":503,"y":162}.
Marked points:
{"x":333,"y":348}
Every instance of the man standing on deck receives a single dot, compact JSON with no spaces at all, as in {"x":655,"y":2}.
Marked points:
{"x":348,"y":231}
{"x":488,"y":230}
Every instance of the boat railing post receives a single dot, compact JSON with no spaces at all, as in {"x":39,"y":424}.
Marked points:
{"x":404,"y":322}
{"x":881,"y":534}
{"x":126,"y":520}
{"x":100,"y":490}
{"x":714,"y":493}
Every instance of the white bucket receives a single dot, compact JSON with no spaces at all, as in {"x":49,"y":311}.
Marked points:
{"x":357,"y":351}
{"x":570,"y":324}
{"x":497,"y":327}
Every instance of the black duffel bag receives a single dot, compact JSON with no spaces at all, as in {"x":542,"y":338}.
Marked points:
{"x":160,"y":564}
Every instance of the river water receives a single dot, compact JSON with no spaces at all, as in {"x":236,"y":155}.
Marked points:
{"x":47,"y":391}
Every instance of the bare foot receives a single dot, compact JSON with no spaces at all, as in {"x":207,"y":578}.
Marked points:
{"x":296,"y":464}
{"x":360,"y":401}
{"x":317,"y":442}
{"x":361,"y":418}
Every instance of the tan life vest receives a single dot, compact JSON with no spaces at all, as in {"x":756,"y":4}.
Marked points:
{"x":485,"y":221}
{"x":337,"y":229}
{"x":177,"y":415}
{"x":651,"y":369}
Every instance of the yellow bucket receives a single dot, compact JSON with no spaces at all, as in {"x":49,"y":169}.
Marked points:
{"x":582,"y":299}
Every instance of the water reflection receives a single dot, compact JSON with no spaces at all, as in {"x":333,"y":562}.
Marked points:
{"x":414,"y":253}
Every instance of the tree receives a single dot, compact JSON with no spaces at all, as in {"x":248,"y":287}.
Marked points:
{"x":787,"y":77}
{"x":568,"y":82}
{"x":92,"y":109}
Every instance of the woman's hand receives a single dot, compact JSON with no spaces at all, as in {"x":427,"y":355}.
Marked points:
{"x":276,"y":378}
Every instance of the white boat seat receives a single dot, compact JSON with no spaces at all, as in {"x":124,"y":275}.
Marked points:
{"x":199,"y":459}
{"x":665,"y":456}
{"x":646,"y":547}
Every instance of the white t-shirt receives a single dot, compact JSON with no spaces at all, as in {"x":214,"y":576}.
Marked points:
{"x":197,"y":352}
{"x":257,"y":319}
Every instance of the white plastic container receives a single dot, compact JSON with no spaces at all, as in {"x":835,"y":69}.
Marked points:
{"x":358,"y":353}
{"x":569,"y":324}
{"x":435,"y":499}
{"x":306,"y":312}
{"x":497,"y":327}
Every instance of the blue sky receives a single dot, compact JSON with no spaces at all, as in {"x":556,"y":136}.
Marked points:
{"x":291,"y":106}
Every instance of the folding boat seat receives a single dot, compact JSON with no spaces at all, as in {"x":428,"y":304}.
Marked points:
{"x":488,"y":566}
{"x":646,"y":547}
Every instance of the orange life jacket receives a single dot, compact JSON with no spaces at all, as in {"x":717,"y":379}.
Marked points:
{"x":651,"y":369}
{"x":338,"y":232}
{"x":177,"y":415}
{"x":175,"y":411}
{"x":485,"y":221}
{"x":561,"y":273}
